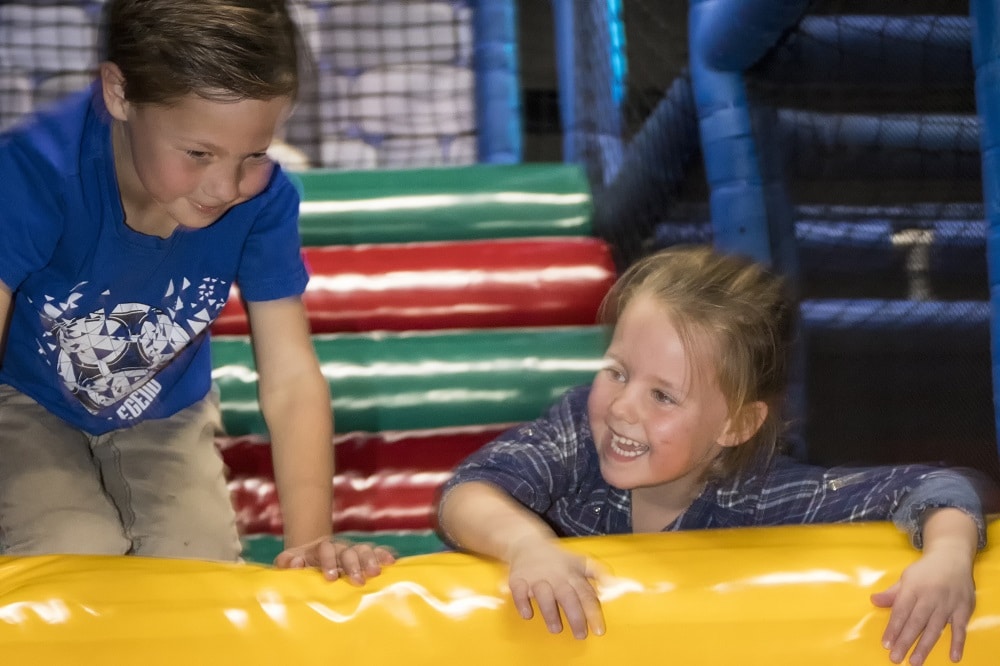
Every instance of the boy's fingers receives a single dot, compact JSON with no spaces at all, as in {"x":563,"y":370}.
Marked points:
{"x":385,"y":555}
{"x":326,"y":554}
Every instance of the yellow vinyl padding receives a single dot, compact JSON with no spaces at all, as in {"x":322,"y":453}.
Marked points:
{"x":767,"y":596}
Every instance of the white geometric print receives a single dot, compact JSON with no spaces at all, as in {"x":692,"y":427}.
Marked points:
{"x":103,"y":356}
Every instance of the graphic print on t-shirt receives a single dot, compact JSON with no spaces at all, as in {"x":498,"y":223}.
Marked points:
{"x":113,"y":351}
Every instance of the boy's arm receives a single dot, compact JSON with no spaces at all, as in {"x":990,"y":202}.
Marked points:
{"x":5,"y":310}
{"x":295,"y":401}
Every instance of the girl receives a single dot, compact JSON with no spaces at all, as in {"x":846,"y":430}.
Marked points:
{"x":680,"y":431}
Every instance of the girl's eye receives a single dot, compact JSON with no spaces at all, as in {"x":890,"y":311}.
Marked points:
{"x":660,"y":396}
{"x":615,"y":374}
{"x":197,"y":154}
{"x":258,"y":157}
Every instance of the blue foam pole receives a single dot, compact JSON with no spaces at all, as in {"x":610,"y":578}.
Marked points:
{"x":739,"y":32}
{"x":498,"y":102}
{"x":986,"y":59}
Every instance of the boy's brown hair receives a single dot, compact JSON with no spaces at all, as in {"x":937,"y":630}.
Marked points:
{"x":222,"y":50}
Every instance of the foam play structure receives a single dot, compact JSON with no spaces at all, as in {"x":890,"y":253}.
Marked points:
{"x":411,"y":401}
{"x":448,"y":304}
{"x":749,"y":596}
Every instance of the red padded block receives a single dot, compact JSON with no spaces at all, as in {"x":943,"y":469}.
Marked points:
{"x":383,"y":481}
{"x":460,"y":284}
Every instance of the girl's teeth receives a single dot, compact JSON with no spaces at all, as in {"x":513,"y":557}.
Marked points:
{"x":626,"y":447}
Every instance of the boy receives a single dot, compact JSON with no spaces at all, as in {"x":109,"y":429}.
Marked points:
{"x":128,"y":213}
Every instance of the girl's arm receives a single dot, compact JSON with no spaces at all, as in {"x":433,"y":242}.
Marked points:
{"x":941,"y":512}
{"x":295,"y":401}
{"x":483,"y":519}
{"x":935,"y":591}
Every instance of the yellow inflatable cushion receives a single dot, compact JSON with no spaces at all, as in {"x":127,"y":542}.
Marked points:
{"x":767,"y":596}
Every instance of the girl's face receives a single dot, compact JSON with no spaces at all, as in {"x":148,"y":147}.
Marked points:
{"x":186,"y":164}
{"x":658,"y":416}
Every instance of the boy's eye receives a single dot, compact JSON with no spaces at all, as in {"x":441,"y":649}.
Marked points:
{"x":258,"y":157}
{"x":197,"y":154}
{"x":616,"y":374}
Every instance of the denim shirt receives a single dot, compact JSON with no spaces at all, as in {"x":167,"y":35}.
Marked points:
{"x":550,"y":466}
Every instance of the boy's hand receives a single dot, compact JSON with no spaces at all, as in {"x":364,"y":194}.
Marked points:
{"x":336,"y":558}
{"x":934,"y":591}
{"x":555,"y":579}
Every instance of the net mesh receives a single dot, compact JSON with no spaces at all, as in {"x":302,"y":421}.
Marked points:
{"x":391,"y":83}
{"x":865,"y":114}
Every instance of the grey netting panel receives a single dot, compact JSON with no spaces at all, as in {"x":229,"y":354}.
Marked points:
{"x":867,"y":114}
{"x":657,"y":177}
{"x":390,"y":83}
{"x":875,"y":122}
{"x":45,"y":48}
{"x":864,"y":115}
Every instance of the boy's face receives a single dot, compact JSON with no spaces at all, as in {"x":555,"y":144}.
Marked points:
{"x":186,"y":164}
{"x":658,"y":416}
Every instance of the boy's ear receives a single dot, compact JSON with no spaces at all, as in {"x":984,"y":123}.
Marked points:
{"x":743,"y":426}
{"x":113,"y":89}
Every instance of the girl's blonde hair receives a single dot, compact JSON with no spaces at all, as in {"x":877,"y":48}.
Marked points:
{"x":746,"y":314}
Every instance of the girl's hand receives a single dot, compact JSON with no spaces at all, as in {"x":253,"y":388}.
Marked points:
{"x":555,"y":579}
{"x":936,"y":590}
{"x":336,"y":558}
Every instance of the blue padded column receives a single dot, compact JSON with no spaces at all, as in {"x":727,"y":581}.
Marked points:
{"x":590,"y":37}
{"x":750,"y":210}
{"x":986,"y":58}
{"x":498,"y":100}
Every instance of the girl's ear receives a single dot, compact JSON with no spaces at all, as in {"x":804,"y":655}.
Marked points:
{"x":744,"y":425}
{"x":113,"y":89}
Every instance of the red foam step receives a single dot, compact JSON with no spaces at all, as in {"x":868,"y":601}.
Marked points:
{"x":461,"y":284}
{"x":383,"y":481}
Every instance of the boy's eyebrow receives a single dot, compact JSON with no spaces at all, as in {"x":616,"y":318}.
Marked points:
{"x":212,"y":148}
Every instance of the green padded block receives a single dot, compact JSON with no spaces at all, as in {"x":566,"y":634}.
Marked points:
{"x":412,"y":381}
{"x":449,"y":203}
{"x":263,"y":548}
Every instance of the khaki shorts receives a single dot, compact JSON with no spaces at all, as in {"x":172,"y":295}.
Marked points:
{"x":156,"y":489}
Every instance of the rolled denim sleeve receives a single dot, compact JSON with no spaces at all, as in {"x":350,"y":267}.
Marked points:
{"x":939,"y":489}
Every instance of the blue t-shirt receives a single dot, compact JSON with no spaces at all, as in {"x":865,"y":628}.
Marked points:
{"x":110,"y":327}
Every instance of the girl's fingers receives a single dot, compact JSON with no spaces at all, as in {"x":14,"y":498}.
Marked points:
{"x":545,"y":599}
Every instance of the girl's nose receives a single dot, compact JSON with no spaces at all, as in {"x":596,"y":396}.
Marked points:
{"x":623,"y":406}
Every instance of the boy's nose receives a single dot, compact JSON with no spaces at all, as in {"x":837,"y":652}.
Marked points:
{"x":224,"y":185}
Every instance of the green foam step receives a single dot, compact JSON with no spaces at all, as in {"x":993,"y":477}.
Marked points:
{"x":413,"y":381}
{"x":449,"y":203}
{"x":263,"y":548}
